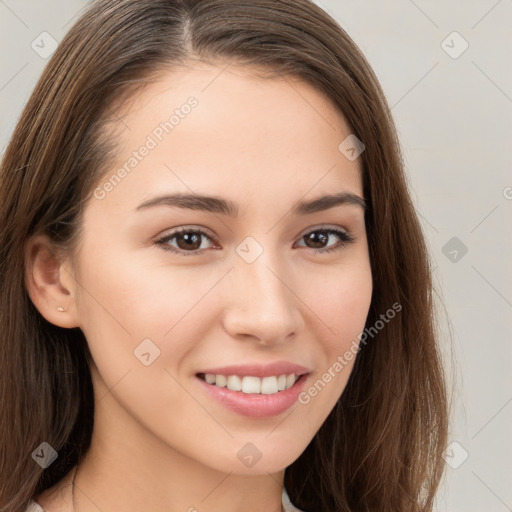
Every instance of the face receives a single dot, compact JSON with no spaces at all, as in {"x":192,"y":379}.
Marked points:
{"x":171,"y":289}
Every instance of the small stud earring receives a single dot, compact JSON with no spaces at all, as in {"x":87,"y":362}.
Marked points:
{"x":60,"y":309}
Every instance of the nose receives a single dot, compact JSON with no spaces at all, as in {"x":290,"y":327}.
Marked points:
{"x":260,"y":303}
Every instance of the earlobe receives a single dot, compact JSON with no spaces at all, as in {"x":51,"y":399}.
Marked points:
{"x":44,"y":267}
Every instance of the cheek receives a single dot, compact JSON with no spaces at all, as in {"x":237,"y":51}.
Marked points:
{"x":140,"y":326}
{"x":128,"y":299}
{"x":340,"y":303}
{"x":130,"y":288}
{"x":339,"y":297}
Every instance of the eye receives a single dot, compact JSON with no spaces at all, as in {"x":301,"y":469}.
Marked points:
{"x":321,"y":236}
{"x":189,"y":241}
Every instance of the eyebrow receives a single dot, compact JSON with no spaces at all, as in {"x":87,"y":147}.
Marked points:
{"x":215,"y":204}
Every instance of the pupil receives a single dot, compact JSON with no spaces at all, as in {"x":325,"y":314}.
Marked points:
{"x":318,"y":238}
{"x":192,"y":240}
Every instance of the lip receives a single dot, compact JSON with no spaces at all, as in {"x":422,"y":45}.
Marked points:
{"x":255,"y":405}
{"x":259,"y":370}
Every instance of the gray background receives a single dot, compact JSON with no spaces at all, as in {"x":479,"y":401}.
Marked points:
{"x":454,"y":118}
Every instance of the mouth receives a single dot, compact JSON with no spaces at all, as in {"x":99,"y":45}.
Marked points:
{"x":251,"y":396}
{"x":250,"y":384}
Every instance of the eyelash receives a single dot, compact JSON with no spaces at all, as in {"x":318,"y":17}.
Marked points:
{"x":345,"y":237}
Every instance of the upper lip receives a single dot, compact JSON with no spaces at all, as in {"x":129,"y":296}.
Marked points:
{"x":259,"y":370}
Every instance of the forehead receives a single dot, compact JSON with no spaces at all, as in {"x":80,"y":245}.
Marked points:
{"x":225,"y":130}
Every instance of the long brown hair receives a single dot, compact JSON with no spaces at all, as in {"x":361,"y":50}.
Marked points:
{"x":381,"y":446}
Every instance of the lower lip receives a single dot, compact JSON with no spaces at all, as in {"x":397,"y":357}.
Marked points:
{"x":256,"y":405}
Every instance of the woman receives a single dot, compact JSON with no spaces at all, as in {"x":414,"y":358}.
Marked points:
{"x":215,"y":285}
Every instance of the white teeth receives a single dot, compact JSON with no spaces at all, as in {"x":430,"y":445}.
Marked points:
{"x":269,"y":385}
{"x":253,"y":385}
{"x":234,"y":383}
{"x":220,"y":380}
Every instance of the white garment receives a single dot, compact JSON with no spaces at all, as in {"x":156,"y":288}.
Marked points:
{"x":33,"y":506}
{"x":287,"y":504}
{"x":285,"y":500}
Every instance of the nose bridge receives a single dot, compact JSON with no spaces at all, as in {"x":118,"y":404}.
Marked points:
{"x":260,"y":300}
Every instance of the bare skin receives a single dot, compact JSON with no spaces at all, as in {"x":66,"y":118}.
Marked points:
{"x":159,"y":442}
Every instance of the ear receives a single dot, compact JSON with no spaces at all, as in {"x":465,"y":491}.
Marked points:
{"x":50,"y":283}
